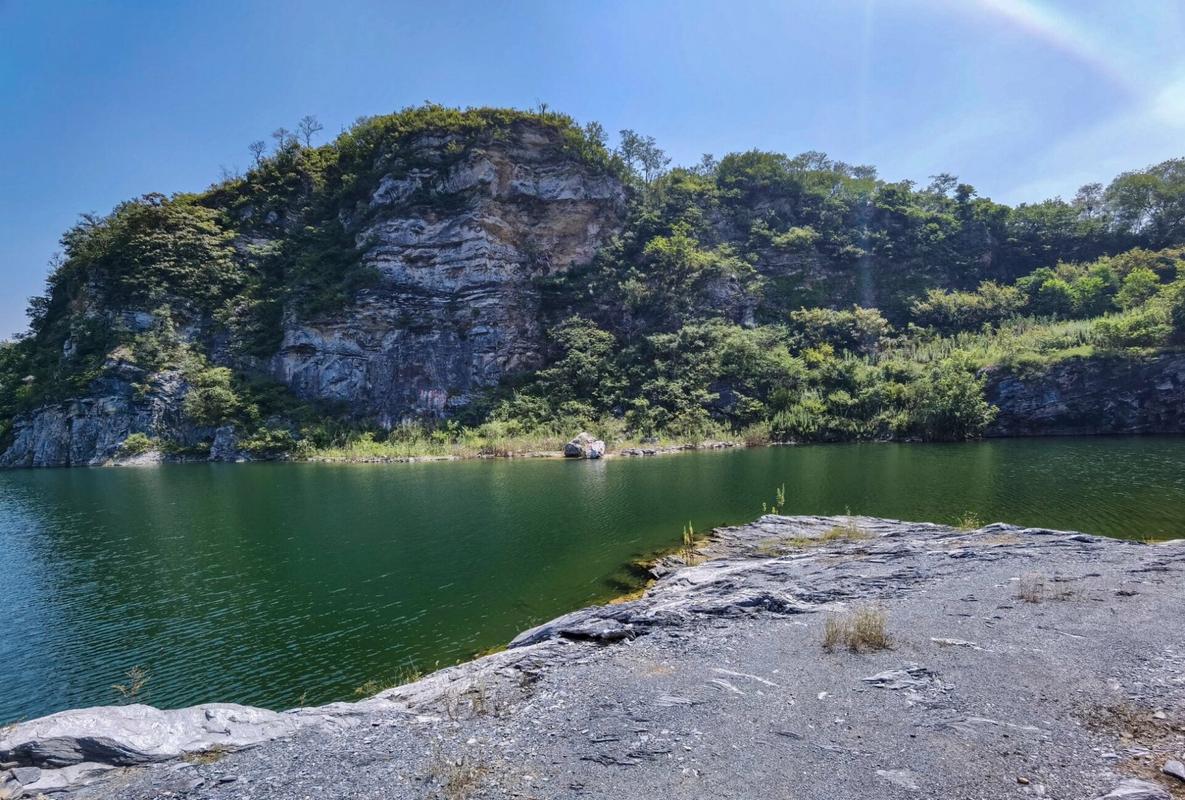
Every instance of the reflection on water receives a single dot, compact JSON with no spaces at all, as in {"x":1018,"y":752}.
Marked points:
{"x":263,"y":583}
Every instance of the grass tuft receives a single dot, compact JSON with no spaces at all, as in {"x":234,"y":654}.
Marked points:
{"x":864,"y":629}
{"x":406,"y":675}
{"x":455,"y":779}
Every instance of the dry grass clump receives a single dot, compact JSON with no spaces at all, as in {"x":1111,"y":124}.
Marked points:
{"x":210,"y":756}
{"x":405,"y":675}
{"x":861,"y":630}
{"x":847,"y":532}
{"x":455,"y":779}
{"x":688,"y":551}
{"x":1034,"y":588}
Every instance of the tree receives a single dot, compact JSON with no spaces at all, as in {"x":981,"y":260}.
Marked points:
{"x":1054,"y":298}
{"x":257,"y":148}
{"x":642,"y":154}
{"x":942,"y":184}
{"x":283,"y":137}
{"x":707,"y":165}
{"x":595,"y":131}
{"x":309,"y":126}
{"x":1139,"y":285}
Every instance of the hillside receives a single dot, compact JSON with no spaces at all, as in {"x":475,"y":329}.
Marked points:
{"x":487,"y":280}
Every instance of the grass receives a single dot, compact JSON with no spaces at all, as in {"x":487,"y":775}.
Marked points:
{"x":210,"y":756}
{"x":406,"y":675}
{"x":455,"y":779}
{"x":490,"y":440}
{"x":687,"y":551}
{"x":1034,"y":588}
{"x":864,"y":629}
{"x":1019,"y":342}
{"x":849,"y":531}
{"x":969,"y":521}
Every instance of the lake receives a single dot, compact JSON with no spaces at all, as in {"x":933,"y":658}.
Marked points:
{"x":282,"y":584}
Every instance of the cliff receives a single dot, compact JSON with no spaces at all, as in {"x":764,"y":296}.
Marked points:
{"x":846,"y":657}
{"x":446,"y":236}
{"x":456,"y":306}
{"x":1098,"y":395}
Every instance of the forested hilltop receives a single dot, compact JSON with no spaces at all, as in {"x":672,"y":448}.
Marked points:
{"x":488,"y":281}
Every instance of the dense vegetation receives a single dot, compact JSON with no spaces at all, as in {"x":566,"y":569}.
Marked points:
{"x":787,"y":298}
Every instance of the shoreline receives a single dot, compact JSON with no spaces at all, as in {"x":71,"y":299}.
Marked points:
{"x":155,"y":458}
{"x":739,"y":634}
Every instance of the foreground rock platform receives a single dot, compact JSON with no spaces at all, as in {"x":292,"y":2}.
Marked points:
{"x":1021,"y":663}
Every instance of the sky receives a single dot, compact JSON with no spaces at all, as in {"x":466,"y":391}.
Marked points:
{"x":1024,"y":99}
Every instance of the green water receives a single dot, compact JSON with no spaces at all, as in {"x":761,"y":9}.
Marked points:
{"x":267,"y":583}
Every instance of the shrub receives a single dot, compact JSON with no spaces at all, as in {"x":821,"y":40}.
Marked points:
{"x":1143,"y":327}
{"x":211,"y":400}
{"x":860,"y":330}
{"x":949,"y":405}
{"x":269,"y":442}
{"x":1140,"y":285}
{"x":863,"y":629}
{"x":955,"y":311}
{"x":137,"y":444}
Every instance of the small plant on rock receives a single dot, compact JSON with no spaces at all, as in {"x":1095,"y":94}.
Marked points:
{"x":404,"y":675}
{"x":861,"y":630}
{"x":687,"y":551}
{"x":137,"y":444}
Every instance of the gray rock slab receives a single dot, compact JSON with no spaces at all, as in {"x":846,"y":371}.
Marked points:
{"x":715,"y":684}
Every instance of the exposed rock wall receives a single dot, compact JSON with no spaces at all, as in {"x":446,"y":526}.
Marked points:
{"x":1092,"y":396}
{"x":89,"y":431}
{"x":456,"y":307}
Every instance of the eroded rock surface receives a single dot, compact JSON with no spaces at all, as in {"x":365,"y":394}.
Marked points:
{"x":1092,"y":396}
{"x":457,"y":305}
{"x":716,"y":683}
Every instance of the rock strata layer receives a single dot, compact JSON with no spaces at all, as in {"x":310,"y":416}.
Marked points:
{"x":1020,"y":663}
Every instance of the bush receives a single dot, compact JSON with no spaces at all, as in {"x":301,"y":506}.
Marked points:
{"x":1143,"y":327}
{"x":211,"y":400}
{"x":1140,"y":285}
{"x":137,"y":444}
{"x":949,"y":405}
{"x":955,"y":311}
{"x":861,"y":330}
{"x":269,"y":442}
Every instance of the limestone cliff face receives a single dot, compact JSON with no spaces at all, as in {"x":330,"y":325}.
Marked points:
{"x":456,"y":306}
{"x":1092,"y":396}
{"x":458,"y":233}
{"x":89,"y":430}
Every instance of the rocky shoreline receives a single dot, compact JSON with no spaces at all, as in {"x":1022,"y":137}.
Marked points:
{"x":1015,"y":663}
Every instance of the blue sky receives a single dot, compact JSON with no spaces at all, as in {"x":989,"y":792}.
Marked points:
{"x":1025,"y":99}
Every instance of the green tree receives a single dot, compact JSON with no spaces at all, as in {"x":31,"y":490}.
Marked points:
{"x":211,"y":399}
{"x":1138,"y":287}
